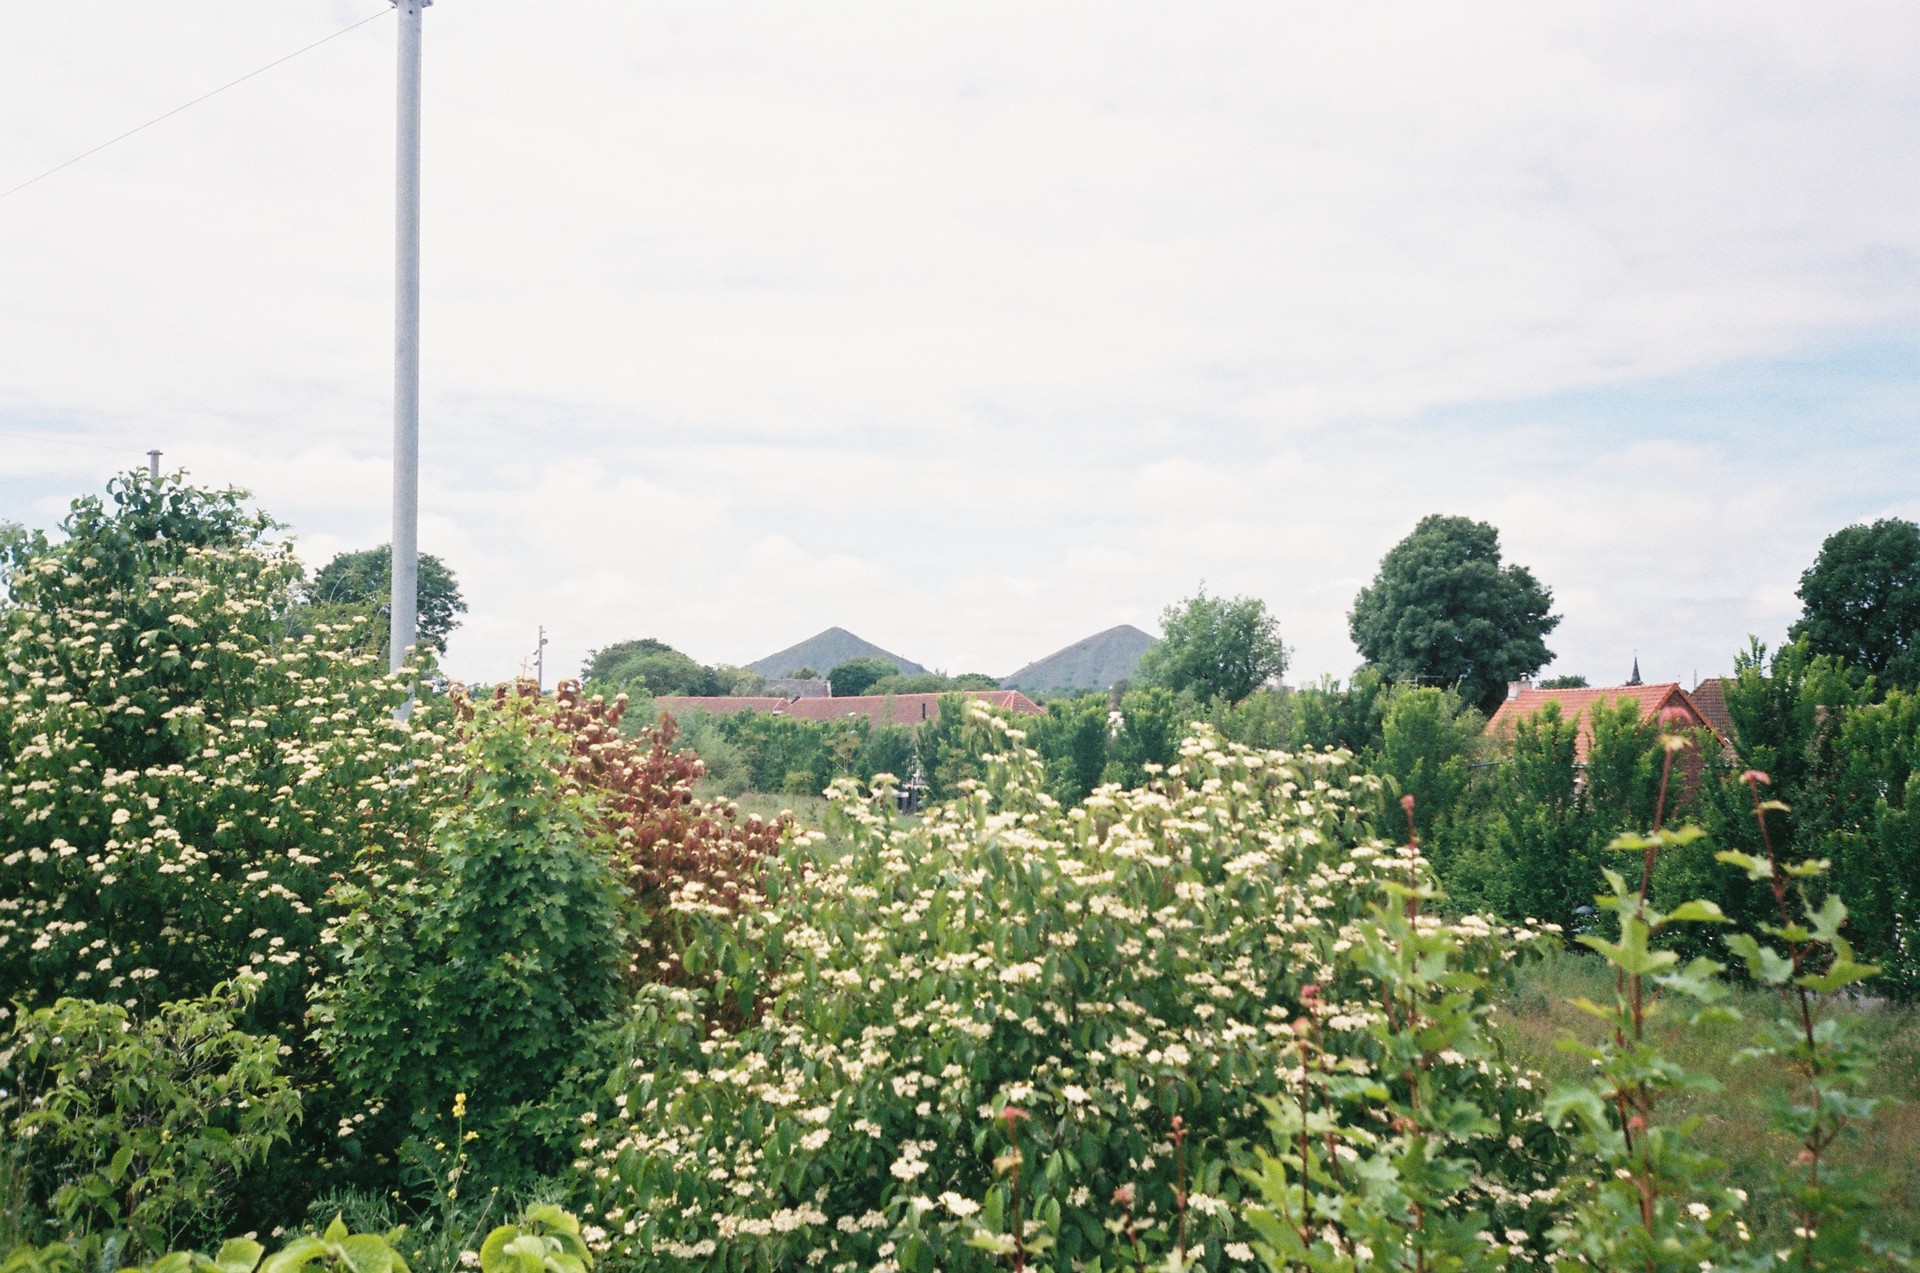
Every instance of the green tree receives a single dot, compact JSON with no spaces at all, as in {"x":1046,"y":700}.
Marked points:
{"x":859,"y":675}
{"x":1862,"y":601}
{"x":1427,"y":739}
{"x":1325,"y":715}
{"x":1151,"y":723}
{"x":931,"y":683}
{"x":362,"y":582}
{"x":1443,"y":611}
{"x":481,"y":966}
{"x":648,"y":666}
{"x":1543,"y":862}
{"x":1217,"y":647}
{"x":1072,"y":741}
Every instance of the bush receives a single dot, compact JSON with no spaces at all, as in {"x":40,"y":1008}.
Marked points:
{"x":837,"y":1095}
{"x":480,"y":964}
{"x":141,"y":1127}
{"x":184,"y":776}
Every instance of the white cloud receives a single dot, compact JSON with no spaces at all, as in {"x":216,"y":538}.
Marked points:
{"x":974,"y":328}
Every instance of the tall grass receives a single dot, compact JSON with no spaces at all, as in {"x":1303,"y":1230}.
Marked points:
{"x":1734,"y":1124}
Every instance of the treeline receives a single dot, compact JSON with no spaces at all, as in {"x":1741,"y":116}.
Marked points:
{"x":651,"y":668}
{"x":1516,"y":824}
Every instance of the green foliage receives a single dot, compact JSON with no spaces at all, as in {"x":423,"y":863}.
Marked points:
{"x":858,"y":675}
{"x":1428,"y":738}
{"x":1324,"y":715}
{"x":1843,"y":767}
{"x":1071,"y":740}
{"x":480,"y":963}
{"x":776,"y":751}
{"x":1567,"y":682}
{"x":1651,"y":1198}
{"x":140,"y":1126}
{"x":184,"y":776}
{"x":650,"y":667}
{"x":544,"y":1239}
{"x":1104,"y":970}
{"x":360,"y":584}
{"x":931,"y":683}
{"x":1862,"y":602}
{"x":1214,"y":648}
{"x":1146,"y":737}
{"x":1385,"y":1161}
{"x":1443,"y":611}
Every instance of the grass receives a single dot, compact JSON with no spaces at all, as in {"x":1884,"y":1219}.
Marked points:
{"x":1734,"y":1124}
{"x":809,"y":812}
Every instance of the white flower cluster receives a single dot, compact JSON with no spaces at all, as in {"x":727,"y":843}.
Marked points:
{"x":1006,"y":967}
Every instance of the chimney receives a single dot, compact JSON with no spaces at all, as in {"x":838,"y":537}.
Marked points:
{"x":1515,"y":688}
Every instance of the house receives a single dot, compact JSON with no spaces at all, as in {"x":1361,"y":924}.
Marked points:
{"x":910,"y":710}
{"x":1710,"y":696}
{"x":1653,"y":701}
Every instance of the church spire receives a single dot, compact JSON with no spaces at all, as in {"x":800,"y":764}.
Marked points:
{"x":1635,"y":678}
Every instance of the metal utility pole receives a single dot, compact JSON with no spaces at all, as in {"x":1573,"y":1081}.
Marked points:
{"x":406,"y":341}
{"x":540,"y":661}
{"x":153,"y":465}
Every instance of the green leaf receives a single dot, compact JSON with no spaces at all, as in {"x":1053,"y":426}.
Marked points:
{"x":1697,"y":912}
{"x":993,"y":1243}
{"x":1756,"y":868}
{"x":493,"y":1256}
{"x":118,"y":1166}
{"x":1764,"y":965}
{"x":366,"y":1253}
{"x":1592,"y":1009}
{"x":238,"y":1255}
{"x":296,"y":1255}
{"x":1843,"y":973}
{"x":1576,"y":1102}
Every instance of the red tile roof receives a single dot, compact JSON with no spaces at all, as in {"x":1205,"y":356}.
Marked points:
{"x":1710,"y":696}
{"x":881,"y":709}
{"x":720,"y":706}
{"x":1651,"y":700}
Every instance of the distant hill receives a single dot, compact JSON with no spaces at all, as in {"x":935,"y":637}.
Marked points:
{"x":1094,"y":663}
{"x":824,"y":652}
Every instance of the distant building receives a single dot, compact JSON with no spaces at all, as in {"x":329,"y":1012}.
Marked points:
{"x":791,"y":687}
{"x":1651,"y":700}
{"x":1710,"y":696}
{"x":882,"y":709}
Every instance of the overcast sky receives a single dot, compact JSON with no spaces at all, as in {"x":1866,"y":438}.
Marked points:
{"x":976,"y":328}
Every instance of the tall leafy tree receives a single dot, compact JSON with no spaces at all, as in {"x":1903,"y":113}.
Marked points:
{"x":363,"y":581}
{"x":1444,"y":611}
{"x":1862,"y":601}
{"x":1216,"y":647}
{"x":859,"y":675}
{"x":651,"y":666}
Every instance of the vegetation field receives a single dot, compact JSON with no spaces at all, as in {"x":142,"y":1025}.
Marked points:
{"x":514,"y":981}
{"x":1538,"y":1012}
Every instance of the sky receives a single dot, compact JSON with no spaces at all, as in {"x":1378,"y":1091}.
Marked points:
{"x":977,"y":328}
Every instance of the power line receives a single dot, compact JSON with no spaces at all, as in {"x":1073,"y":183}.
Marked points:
{"x":195,"y":102}
{"x":57,"y":437}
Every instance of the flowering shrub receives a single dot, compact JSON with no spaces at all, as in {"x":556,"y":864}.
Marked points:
{"x":485,"y":963}
{"x":182,"y":777}
{"x":1102,"y":970}
{"x":479,"y":963}
{"x":665,"y":843}
{"x":140,"y":1127}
